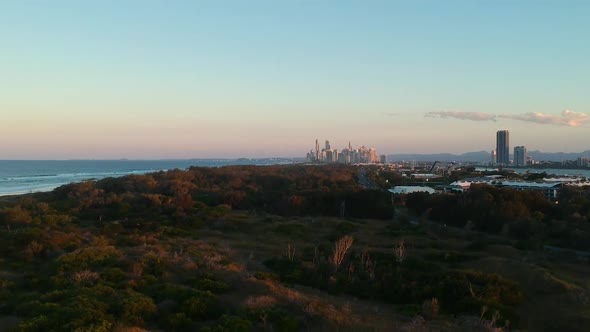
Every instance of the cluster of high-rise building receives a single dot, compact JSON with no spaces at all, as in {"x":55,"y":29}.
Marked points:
{"x":501,"y":155}
{"x":347,"y":155}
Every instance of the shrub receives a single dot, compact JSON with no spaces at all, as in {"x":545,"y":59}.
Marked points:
{"x":33,"y":250}
{"x":290,"y":272}
{"x":86,"y":258}
{"x":230,"y":324}
{"x":29,"y":234}
{"x":165,"y":291}
{"x":267,"y":276}
{"x":207,"y":284}
{"x":136,"y":307}
{"x":56,"y":219}
{"x":410,"y":310}
{"x":65,"y":239}
{"x":466,"y":291}
{"x":111,"y":230}
{"x":34,"y":324}
{"x":179,"y":322}
{"x":4,"y":284}
{"x":154,"y":264}
{"x":15,"y":215}
{"x":73,"y":313}
{"x":260,"y":302}
{"x":282,"y":321}
{"x":147,"y":282}
{"x":113,"y":274}
{"x":202,"y":305}
{"x":85,"y":278}
{"x":345,"y":228}
{"x":292,"y":230}
{"x":101,"y":326}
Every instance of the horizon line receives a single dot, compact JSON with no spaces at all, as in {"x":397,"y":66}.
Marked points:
{"x":260,"y":158}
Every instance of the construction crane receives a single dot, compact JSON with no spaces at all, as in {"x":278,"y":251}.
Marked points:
{"x":432,"y":168}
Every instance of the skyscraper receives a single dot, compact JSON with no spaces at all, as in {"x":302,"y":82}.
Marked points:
{"x":520,"y":156}
{"x":317,"y":150}
{"x":503,"y":147}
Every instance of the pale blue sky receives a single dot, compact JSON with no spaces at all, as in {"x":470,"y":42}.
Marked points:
{"x":184,"y":79}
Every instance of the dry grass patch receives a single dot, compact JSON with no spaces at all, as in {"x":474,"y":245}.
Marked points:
{"x":260,"y":302}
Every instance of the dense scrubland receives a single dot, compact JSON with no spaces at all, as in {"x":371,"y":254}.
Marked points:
{"x":290,"y":248}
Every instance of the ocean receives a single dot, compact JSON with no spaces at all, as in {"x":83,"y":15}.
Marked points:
{"x":28,"y":176}
{"x":556,"y":172}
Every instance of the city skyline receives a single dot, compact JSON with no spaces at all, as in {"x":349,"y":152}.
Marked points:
{"x":346,"y":155}
{"x":209,"y":79}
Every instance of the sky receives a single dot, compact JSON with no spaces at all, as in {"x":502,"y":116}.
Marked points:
{"x":145,"y":79}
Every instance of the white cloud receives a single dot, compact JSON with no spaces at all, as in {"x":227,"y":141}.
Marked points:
{"x":567,"y":118}
{"x":473,"y":116}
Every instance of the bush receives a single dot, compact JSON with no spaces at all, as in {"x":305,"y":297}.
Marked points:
{"x":73,"y":313}
{"x":283,"y":321}
{"x":290,"y":272}
{"x":85,"y":258}
{"x":34,"y":324}
{"x":5,"y":284}
{"x":113,"y":274}
{"x":410,"y":310}
{"x":267,"y":276}
{"x":292,"y":230}
{"x":202,"y":305}
{"x":154,"y":264}
{"x":230,"y":324}
{"x":135,"y":307}
{"x":468,"y":291}
{"x":346,"y":228}
{"x":179,"y":322}
{"x":208,"y":284}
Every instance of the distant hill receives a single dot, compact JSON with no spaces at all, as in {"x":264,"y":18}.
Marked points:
{"x":558,"y":156}
{"x":469,"y":157}
{"x":484,"y":156}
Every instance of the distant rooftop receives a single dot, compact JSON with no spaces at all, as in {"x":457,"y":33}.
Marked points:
{"x":532,"y":185}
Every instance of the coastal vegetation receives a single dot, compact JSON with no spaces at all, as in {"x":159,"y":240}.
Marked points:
{"x":290,"y":248}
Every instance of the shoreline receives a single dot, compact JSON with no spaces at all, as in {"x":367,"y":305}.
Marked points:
{"x":31,"y":191}
{"x":21,"y":177}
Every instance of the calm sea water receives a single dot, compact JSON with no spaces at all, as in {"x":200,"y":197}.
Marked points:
{"x":559,"y":172}
{"x":26,"y":176}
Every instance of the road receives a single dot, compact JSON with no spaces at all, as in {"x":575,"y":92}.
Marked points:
{"x":365,"y":181}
